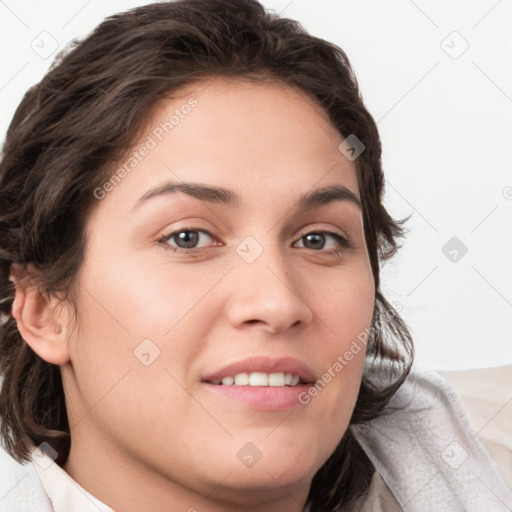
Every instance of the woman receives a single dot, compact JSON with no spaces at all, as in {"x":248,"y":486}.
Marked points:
{"x":191,"y":232}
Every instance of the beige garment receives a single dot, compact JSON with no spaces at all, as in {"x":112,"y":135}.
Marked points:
{"x":487,"y":397}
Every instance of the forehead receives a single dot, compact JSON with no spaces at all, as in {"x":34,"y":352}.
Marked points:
{"x":257,"y":137}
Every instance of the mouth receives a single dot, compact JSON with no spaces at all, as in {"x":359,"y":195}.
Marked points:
{"x":279,"y":379}
{"x":263,"y":371}
{"x":262,"y":383}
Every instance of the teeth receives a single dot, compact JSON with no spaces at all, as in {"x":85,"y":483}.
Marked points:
{"x":276,"y":379}
{"x":261,"y":379}
{"x":242,"y":379}
{"x":258,"y":379}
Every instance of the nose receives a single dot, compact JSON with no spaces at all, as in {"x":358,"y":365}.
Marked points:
{"x":265,"y":293}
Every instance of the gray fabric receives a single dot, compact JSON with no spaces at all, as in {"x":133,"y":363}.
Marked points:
{"x":428,"y":454}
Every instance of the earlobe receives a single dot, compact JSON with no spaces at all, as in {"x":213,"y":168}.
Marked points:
{"x":40,"y":326}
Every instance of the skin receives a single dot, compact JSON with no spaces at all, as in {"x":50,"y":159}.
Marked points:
{"x":152,"y":438}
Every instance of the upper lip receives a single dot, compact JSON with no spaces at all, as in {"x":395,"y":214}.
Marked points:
{"x":266,"y":365}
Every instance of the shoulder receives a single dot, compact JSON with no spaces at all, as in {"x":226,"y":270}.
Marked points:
{"x":487,"y":398}
{"x":427,"y":452}
{"x":20,"y":487}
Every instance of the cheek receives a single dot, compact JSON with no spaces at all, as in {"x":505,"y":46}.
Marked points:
{"x":101,"y":351}
{"x":150,"y":296}
{"x":345,"y":313}
{"x":132,"y":292}
{"x":346,"y":307}
{"x":131,"y":314}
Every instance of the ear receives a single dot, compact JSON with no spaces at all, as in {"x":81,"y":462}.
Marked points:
{"x":42,"y":322}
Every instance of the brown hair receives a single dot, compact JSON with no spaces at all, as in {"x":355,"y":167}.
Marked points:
{"x":88,"y":110}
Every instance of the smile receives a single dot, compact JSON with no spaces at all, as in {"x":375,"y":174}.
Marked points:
{"x":279,"y":379}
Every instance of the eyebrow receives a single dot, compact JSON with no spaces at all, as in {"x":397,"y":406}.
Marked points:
{"x":222,"y":196}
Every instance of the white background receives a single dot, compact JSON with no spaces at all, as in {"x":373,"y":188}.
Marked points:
{"x":445,"y":120}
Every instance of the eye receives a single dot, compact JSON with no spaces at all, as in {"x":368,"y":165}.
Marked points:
{"x":186,"y":239}
{"x":316,"y":240}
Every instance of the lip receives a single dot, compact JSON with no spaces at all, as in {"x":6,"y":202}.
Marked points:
{"x":265,"y":398}
{"x":264,"y":364}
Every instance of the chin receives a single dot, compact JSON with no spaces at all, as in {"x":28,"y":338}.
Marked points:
{"x":265,"y":482}
{"x":266,"y":465}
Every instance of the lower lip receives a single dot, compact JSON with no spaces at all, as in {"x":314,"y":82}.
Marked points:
{"x":267,"y":398}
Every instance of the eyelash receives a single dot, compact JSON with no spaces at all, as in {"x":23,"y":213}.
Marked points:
{"x":343,"y":242}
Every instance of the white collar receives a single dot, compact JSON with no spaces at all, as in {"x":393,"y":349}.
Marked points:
{"x":65,"y":494}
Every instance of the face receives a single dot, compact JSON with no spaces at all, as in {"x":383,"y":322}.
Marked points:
{"x":200,"y":308}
